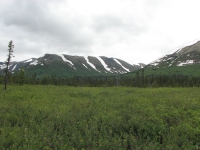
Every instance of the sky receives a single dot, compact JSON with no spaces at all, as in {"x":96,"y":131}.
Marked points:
{"x":136,"y":31}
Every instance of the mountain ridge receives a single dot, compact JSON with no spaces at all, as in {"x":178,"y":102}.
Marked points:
{"x":68,"y":65}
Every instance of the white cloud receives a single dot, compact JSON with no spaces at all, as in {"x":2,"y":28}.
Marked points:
{"x":131,"y":30}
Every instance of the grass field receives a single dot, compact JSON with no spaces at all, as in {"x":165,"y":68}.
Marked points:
{"x":103,"y":118}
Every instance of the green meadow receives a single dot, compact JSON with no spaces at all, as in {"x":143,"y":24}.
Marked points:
{"x":34,"y":117}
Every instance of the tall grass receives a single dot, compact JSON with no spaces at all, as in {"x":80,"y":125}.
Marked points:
{"x":104,"y":118}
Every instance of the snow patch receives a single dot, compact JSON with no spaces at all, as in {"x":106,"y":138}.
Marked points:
{"x":87,"y":60}
{"x":72,"y":66}
{"x":34,"y":62}
{"x":186,"y":63}
{"x":181,"y":64}
{"x":190,"y":61}
{"x":168,"y":58}
{"x":155,"y":64}
{"x":14,"y":67}
{"x":29,"y":60}
{"x":121,"y":72}
{"x":121,"y":65}
{"x":104,"y":64}
{"x":9,"y":66}
{"x":85,"y":66}
{"x":174,"y":60}
{"x":3,"y":66}
{"x":64,"y":59}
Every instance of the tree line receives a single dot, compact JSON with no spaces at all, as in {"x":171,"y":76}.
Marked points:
{"x":138,"y":80}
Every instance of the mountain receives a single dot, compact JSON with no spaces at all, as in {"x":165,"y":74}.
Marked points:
{"x":185,"y":60}
{"x":69,"y":66}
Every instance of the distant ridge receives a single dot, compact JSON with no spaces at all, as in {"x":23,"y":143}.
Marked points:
{"x":68,"y":66}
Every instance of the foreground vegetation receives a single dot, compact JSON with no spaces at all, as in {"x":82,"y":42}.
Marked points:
{"x":104,"y":118}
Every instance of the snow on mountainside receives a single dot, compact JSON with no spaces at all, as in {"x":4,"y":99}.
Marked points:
{"x":77,"y":65}
{"x":64,"y":59}
{"x":122,"y":65}
{"x":185,"y":55}
{"x":93,"y":66}
{"x":104,"y":64}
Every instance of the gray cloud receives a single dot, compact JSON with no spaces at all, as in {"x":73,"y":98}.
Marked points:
{"x":107,"y":22}
{"x":33,"y":18}
{"x":125,"y":29}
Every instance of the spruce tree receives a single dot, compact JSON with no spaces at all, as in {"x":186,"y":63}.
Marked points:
{"x":10,"y":54}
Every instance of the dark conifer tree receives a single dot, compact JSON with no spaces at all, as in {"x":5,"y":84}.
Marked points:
{"x":10,"y":54}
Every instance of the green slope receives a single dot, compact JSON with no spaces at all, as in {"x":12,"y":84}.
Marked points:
{"x":190,"y":70}
{"x":60,"y":70}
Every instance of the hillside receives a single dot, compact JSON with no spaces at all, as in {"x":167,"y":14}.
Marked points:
{"x":185,"y":61}
{"x":69,"y":66}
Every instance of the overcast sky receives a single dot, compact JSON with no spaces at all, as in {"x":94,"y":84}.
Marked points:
{"x":132,"y":30}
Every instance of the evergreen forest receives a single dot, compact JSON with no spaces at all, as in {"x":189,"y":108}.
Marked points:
{"x":138,"y":79}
